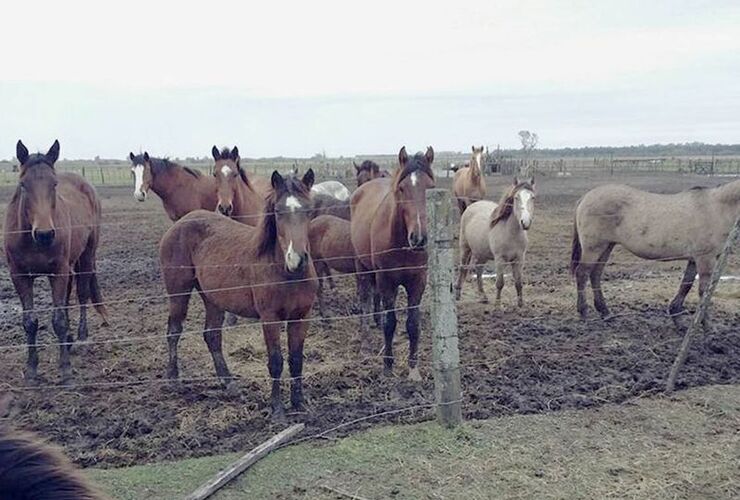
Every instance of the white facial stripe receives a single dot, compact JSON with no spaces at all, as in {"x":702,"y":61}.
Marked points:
{"x":138,"y":177}
{"x":226,"y":170}
{"x":524,"y":199}
{"x":477,"y":158}
{"x":292,"y":203}
{"x":414,"y":179}
{"x":292,"y":259}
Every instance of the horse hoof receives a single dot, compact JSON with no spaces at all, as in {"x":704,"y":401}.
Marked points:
{"x":414,"y":374}
{"x":278,"y":415}
{"x":387,"y":371}
{"x":231,"y":388}
{"x":66,"y":380}
{"x":32,"y":380}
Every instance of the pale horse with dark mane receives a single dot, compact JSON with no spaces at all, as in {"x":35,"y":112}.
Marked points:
{"x":692,"y":225}
{"x":497,"y":231}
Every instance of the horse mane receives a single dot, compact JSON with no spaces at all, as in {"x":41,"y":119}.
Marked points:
{"x":36,"y":159}
{"x":506,"y":206}
{"x":159,"y":165}
{"x":30,"y":468}
{"x":416,"y":163}
{"x":267,"y":228}
{"x":369,"y":166}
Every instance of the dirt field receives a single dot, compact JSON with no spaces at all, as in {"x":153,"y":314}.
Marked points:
{"x":533,"y":360}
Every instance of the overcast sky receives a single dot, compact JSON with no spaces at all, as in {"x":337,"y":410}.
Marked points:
{"x":295,"y":78}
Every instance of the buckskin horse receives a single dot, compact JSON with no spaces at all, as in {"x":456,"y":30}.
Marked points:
{"x":52,"y":228}
{"x":389,"y":235}
{"x":262,"y":272}
{"x":468,"y":185}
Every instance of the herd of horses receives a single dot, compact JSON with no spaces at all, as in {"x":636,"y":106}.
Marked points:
{"x":263,"y":248}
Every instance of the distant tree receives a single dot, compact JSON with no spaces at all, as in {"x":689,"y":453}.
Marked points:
{"x":529,"y":142}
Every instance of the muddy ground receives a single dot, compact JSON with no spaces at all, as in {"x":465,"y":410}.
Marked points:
{"x":535,"y":359}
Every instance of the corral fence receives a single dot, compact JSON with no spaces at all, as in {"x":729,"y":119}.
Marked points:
{"x":118,"y":173}
{"x":438,"y":303}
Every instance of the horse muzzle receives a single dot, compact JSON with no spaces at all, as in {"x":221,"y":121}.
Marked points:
{"x":43,"y":237}
{"x":296,"y":263}
{"x":225,"y":209}
{"x":417,"y":242}
{"x":140,"y":195}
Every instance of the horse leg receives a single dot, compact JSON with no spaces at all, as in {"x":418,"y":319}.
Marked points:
{"x":479,"y":268}
{"x":500,"y":270}
{"x":83,"y":296}
{"x":178,"y":312}
{"x":516,"y":271}
{"x":388,"y":296}
{"x":465,"y":255}
{"x":296,"y":337}
{"x":60,"y":320}
{"x":377,"y":309}
{"x":230,"y":320}
{"x":212,"y":336}
{"x":689,"y":274}
{"x":271,"y":333}
{"x":320,"y":293}
{"x":595,"y":275}
{"x":364,"y":290}
{"x":414,"y":293}
{"x":24,"y":288}
{"x":582,"y":272}
{"x":705,"y":266}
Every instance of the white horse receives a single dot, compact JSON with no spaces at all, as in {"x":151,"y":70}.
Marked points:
{"x":497,"y":231}
{"x":335,"y":189}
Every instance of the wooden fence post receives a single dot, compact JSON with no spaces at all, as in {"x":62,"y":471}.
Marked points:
{"x":443,"y":310}
{"x":701,"y":311}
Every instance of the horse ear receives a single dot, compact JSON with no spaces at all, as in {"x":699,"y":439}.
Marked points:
{"x":235,"y":154}
{"x":357,"y":167}
{"x":215,"y":153}
{"x":531,"y":180}
{"x":278,"y":183}
{"x":21,"y":152}
{"x":131,"y":156}
{"x":429,"y":155}
{"x":53,"y":154}
{"x":473,"y":149}
{"x":308,"y":179}
{"x":402,"y":156}
{"x":516,"y":180}
{"x":375,"y":168}
{"x":146,"y":156}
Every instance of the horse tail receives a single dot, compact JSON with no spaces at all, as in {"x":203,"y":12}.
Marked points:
{"x":575,"y":254}
{"x":97,"y":298}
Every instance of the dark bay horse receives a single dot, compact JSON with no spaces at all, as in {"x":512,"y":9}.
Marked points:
{"x":240,"y":197}
{"x":367,"y":171}
{"x":692,"y":225}
{"x":262,"y":272}
{"x":323,"y":204}
{"x":389,"y":235}
{"x":32,"y":469}
{"x":181,"y":189}
{"x":52,"y":227}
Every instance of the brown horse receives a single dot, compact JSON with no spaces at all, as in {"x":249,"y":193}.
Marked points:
{"x":32,"y":469}
{"x":331,"y":248}
{"x":260,"y":272}
{"x":389,"y":234}
{"x":468,"y":185}
{"x":322,"y":204}
{"x":181,"y":189}
{"x":240,"y":197}
{"x":367,"y":171}
{"x":692,"y":225}
{"x":52,"y":227}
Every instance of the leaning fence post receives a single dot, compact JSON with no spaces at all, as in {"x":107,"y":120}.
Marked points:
{"x":443,"y":311}
{"x":701,"y":311}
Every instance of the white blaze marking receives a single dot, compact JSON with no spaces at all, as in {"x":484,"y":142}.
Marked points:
{"x":293,"y":203}
{"x":292,"y":259}
{"x":138,"y":180}
{"x":226,"y":170}
{"x":477,"y":159}
{"x":414,"y":179}
{"x":524,"y":198}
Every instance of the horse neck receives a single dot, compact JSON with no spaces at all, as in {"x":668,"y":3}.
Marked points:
{"x":247,"y":202}
{"x":395,"y":227}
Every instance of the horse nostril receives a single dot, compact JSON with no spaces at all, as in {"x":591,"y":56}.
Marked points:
{"x":44,"y":237}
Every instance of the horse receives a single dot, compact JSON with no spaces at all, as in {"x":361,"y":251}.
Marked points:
{"x":181,"y":189}
{"x":239,"y":197}
{"x":497,"y":231}
{"x":468,"y":184}
{"x":691,"y":225}
{"x":331,"y":248}
{"x":52,"y":227}
{"x":262,"y":272}
{"x":367,"y":171}
{"x":30,"y":468}
{"x":322,"y":204}
{"x":389,"y":234}
{"x":335,"y":189}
